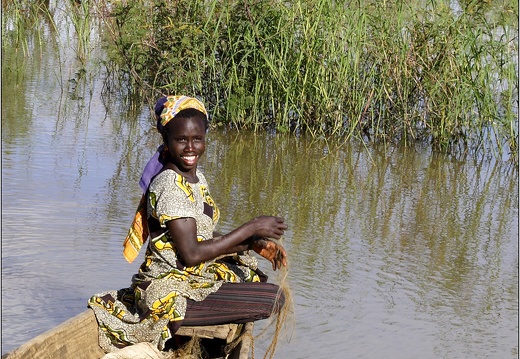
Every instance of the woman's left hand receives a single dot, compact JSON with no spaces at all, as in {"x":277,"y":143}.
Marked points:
{"x":272,"y":251}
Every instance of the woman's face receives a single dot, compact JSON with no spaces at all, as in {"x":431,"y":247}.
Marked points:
{"x":186,"y":140}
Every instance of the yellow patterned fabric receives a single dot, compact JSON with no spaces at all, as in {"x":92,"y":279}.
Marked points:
{"x":175,"y":104}
{"x":138,"y":233}
{"x":158,"y":295}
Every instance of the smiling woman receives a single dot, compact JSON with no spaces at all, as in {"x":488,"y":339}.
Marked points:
{"x":416,"y":251}
{"x":191,"y":275}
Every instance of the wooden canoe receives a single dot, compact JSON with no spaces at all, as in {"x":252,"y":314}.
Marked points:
{"x":78,"y":338}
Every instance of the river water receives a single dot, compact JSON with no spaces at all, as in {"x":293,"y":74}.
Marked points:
{"x":393,"y":252}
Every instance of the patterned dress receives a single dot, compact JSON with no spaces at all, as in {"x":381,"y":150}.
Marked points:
{"x":157,"y":296}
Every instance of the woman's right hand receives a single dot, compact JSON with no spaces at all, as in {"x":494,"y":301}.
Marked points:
{"x":268,"y":226}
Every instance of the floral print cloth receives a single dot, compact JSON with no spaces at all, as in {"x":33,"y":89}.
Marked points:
{"x":158,"y":293}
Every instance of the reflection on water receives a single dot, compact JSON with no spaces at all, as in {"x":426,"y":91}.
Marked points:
{"x":393,"y":253}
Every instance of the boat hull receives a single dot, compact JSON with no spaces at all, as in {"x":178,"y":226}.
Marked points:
{"x":78,"y":338}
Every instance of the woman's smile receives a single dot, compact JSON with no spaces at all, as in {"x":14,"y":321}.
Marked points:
{"x":190,"y":160}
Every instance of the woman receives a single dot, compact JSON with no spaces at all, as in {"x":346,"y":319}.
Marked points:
{"x":191,"y":275}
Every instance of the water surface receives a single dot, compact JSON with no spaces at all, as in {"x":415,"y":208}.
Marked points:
{"x":393,"y":252}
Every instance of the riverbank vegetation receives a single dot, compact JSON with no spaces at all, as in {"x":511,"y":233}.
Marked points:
{"x":438,"y":72}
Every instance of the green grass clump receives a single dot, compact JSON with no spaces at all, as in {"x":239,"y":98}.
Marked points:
{"x":22,"y":22}
{"x":390,"y":71}
{"x":27,"y":25}
{"x":441,"y":72}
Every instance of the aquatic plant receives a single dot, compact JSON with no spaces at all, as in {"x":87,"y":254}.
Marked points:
{"x":26,"y":24}
{"x":80,"y":16}
{"x":440,"y":72}
{"x":391,"y":71}
{"x":21,"y":22}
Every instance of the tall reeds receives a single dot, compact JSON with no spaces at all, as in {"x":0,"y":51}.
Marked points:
{"x":26,"y":24}
{"x":80,"y":16}
{"x":21,"y":24}
{"x":438,"y":71}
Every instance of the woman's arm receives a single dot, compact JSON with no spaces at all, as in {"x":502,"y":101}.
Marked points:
{"x":183,"y":232}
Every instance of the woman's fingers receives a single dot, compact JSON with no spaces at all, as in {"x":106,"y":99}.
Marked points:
{"x":269,"y":226}
{"x":279,"y":257}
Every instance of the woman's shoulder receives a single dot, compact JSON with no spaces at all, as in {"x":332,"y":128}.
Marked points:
{"x":165,"y":176}
{"x":165,"y":181}
{"x":201,"y":177}
{"x":168,"y":179}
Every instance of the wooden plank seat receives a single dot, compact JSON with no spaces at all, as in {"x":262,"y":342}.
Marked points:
{"x":225,"y":331}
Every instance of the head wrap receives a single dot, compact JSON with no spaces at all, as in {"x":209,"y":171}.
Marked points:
{"x":166,"y":109}
{"x":169,"y":106}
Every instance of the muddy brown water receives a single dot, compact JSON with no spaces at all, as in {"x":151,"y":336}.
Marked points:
{"x":393,"y":252}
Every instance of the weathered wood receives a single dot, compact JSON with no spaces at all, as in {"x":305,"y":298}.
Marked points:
{"x":241,"y":351}
{"x":78,"y":338}
{"x":225,"y":331}
{"x":75,"y":338}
